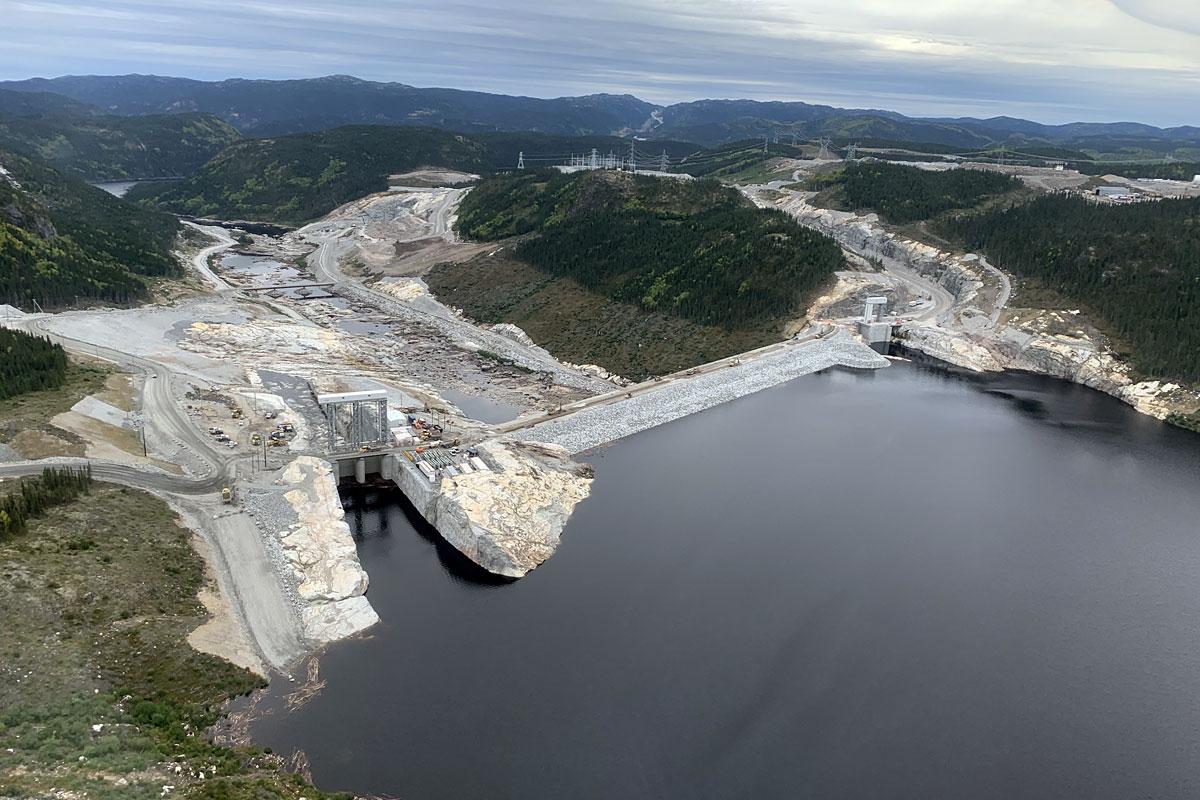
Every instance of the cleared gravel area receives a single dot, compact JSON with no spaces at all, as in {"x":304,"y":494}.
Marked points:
{"x":273,"y":517}
{"x":600,"y":425}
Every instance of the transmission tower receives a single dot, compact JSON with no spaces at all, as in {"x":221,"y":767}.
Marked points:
{"x":521,"y":160}
{"x":764,"y":143}
{"x":852,"y":151}
{"x":793,"y":140}
{"x":594,"y":162}
{"x":776,"y":137}
{"x":663,"y":161}
{"x":824,"y":154}
{"x":632,"y":159}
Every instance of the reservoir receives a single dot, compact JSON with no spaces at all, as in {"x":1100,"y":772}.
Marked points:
{"x":905,"y":583}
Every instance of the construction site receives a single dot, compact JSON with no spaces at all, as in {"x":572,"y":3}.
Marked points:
{"x":286,"y":364}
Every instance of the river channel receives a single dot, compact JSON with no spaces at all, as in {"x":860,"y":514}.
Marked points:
{"x":907,"y":583}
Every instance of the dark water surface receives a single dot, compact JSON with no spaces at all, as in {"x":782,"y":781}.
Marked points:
{"x":901,"y":584}
{"x":484,"y":409}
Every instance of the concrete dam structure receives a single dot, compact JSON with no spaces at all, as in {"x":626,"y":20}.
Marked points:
{"x":503,"y":500}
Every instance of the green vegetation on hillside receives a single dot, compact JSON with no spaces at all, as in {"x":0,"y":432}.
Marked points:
{"x":296,"y":178}
{"x":582,"y":326}
{"x":62,"y":240}
{"x":293,"y":179}
{"x":29,"y":364}
{"x":1138,"y":266}
{"x":902,"y":194}
{"x":101,"y":696}
{"x":693,"y":249}
{"x":104,"y":147}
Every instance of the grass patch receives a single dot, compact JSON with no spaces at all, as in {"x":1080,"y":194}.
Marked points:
{"x":32,"y":411}
{"x":100,"y":694}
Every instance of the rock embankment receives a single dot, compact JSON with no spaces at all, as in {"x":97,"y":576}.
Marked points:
{"x":507,"y":519}
{"x":320,"y":549}
{"x":978,"y":333}
{"x":599,"y":425}
{"x":1051,"y":343}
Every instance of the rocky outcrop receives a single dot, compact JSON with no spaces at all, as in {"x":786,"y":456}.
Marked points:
{"x":1029,"y":343}
{"x":508,"y":519}
{"x":321,"y":551}
{"x":972,"y":333}
{"x":510,"y":331}
{"x":862,"y":235}
{"x":514,"y":332}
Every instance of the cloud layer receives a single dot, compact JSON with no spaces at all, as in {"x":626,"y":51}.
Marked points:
{"x":1054,"y":61}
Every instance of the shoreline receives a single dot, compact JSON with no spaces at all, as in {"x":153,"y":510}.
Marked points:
{"x":978,"y":330}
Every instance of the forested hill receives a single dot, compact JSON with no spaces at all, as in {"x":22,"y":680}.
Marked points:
{"x":1138,"y":266}
{"x":83,"y":140}
{"x":62,"y":240}
{"x":903,"y":194}
{"x":694,"y":249}
{"x":114,"y":148}
{"x":293,"y":179}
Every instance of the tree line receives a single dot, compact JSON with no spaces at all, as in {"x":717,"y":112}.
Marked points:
{"x":54,"y":487}
{"x":29,"y":363}
{"x":1137,"y":266}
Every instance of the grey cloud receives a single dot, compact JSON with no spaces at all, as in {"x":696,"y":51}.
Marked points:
{"x":661,"y":51}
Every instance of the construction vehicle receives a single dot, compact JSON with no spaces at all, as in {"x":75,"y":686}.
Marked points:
{"x":227,"y":496}
{"x":256,"y":439}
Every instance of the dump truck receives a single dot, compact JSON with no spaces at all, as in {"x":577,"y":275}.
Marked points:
{"x":227,"y":496}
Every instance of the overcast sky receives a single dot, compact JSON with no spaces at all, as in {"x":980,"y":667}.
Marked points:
{"x":1049,"y":60}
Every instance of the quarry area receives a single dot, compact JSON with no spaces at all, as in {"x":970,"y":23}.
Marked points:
{"x":286,"y":363}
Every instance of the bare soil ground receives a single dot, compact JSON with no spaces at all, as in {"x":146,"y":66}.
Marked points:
{"x":432,"y":176}
{"x":25,"y":420}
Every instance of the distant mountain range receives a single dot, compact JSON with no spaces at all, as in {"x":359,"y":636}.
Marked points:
{"x":270,"y":108}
